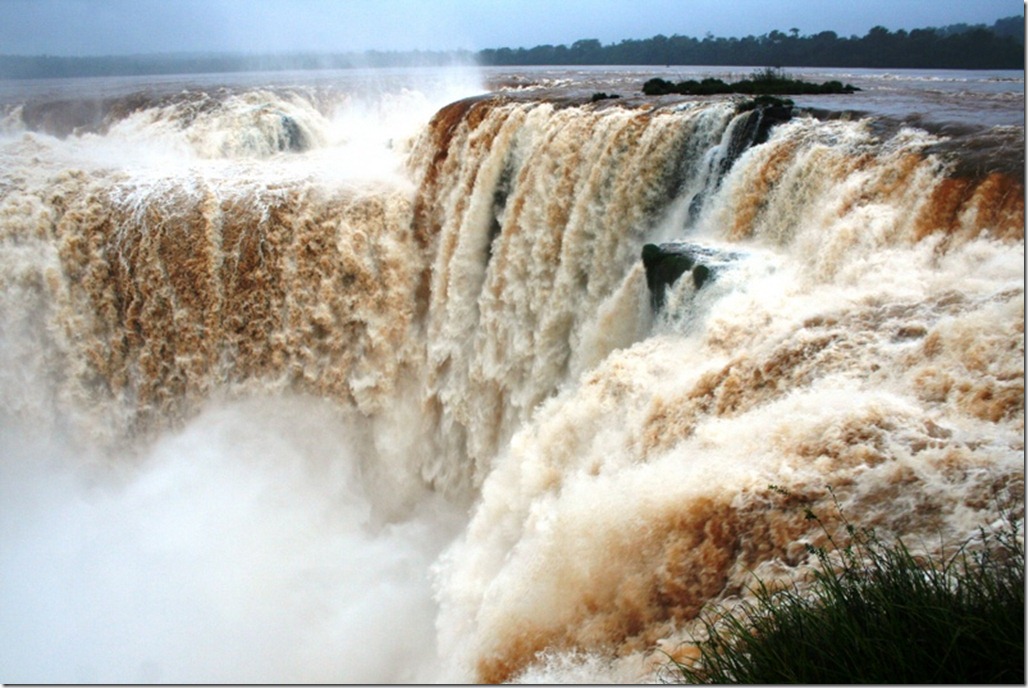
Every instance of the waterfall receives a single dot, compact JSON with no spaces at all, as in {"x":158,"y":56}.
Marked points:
{"x":462,"y":345}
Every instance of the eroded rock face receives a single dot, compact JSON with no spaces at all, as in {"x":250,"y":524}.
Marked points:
{"x":665,"y":263}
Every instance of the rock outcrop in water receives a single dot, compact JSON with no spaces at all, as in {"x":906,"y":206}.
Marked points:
{"x":769,"y":111}
{"x":291,"y":137}
{"x":766,"y":81}
{"x":665,"y":263}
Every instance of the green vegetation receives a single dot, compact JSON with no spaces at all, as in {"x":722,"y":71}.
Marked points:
{"x":1000,"y":46}
{"x":876,"y":613}
{"x":765,"y":82}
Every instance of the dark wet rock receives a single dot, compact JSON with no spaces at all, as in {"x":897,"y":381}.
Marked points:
{"x":666,"y":263}
{"x":765,"y":112}
{"x":500,"y":195}
{"x":700,"y":273}
{"x":292,"y":137}
{"x":768,"y":112}
{"x":752,"y":127}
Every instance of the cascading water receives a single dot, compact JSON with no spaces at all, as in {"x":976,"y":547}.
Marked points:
{"x":257,"y":368}
{"x":640,"y":490}
{"x":536,"y":215}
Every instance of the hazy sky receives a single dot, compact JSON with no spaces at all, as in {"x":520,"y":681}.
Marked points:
{"x":108,"y":27}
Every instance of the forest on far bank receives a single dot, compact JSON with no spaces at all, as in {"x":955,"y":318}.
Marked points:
{"x":959,"y":46}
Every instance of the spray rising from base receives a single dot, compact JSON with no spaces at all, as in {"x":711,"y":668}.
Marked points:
{"x":245,"y":547}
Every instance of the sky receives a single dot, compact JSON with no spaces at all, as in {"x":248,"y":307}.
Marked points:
{"x":116,"y":27}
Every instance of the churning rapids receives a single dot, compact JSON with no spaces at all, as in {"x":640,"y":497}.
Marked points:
{"x":358,"y":378}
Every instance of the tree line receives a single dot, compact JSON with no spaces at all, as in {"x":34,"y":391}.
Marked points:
{"x":958,"y":46}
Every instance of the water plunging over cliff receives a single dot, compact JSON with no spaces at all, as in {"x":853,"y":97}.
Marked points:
{"x":295,"y":338}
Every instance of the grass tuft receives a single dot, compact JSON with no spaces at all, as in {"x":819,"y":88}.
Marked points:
{"x":876,"y":613}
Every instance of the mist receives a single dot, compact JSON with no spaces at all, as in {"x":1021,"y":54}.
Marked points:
{"x":246,"y":547}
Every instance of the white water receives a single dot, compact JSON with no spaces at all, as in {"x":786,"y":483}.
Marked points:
{"x":243,"y":548}
{"x":394,"y":408}
{"x":253,"y":542}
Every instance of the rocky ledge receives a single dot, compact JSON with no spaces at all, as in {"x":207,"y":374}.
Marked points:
{"x":666,"y":263}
